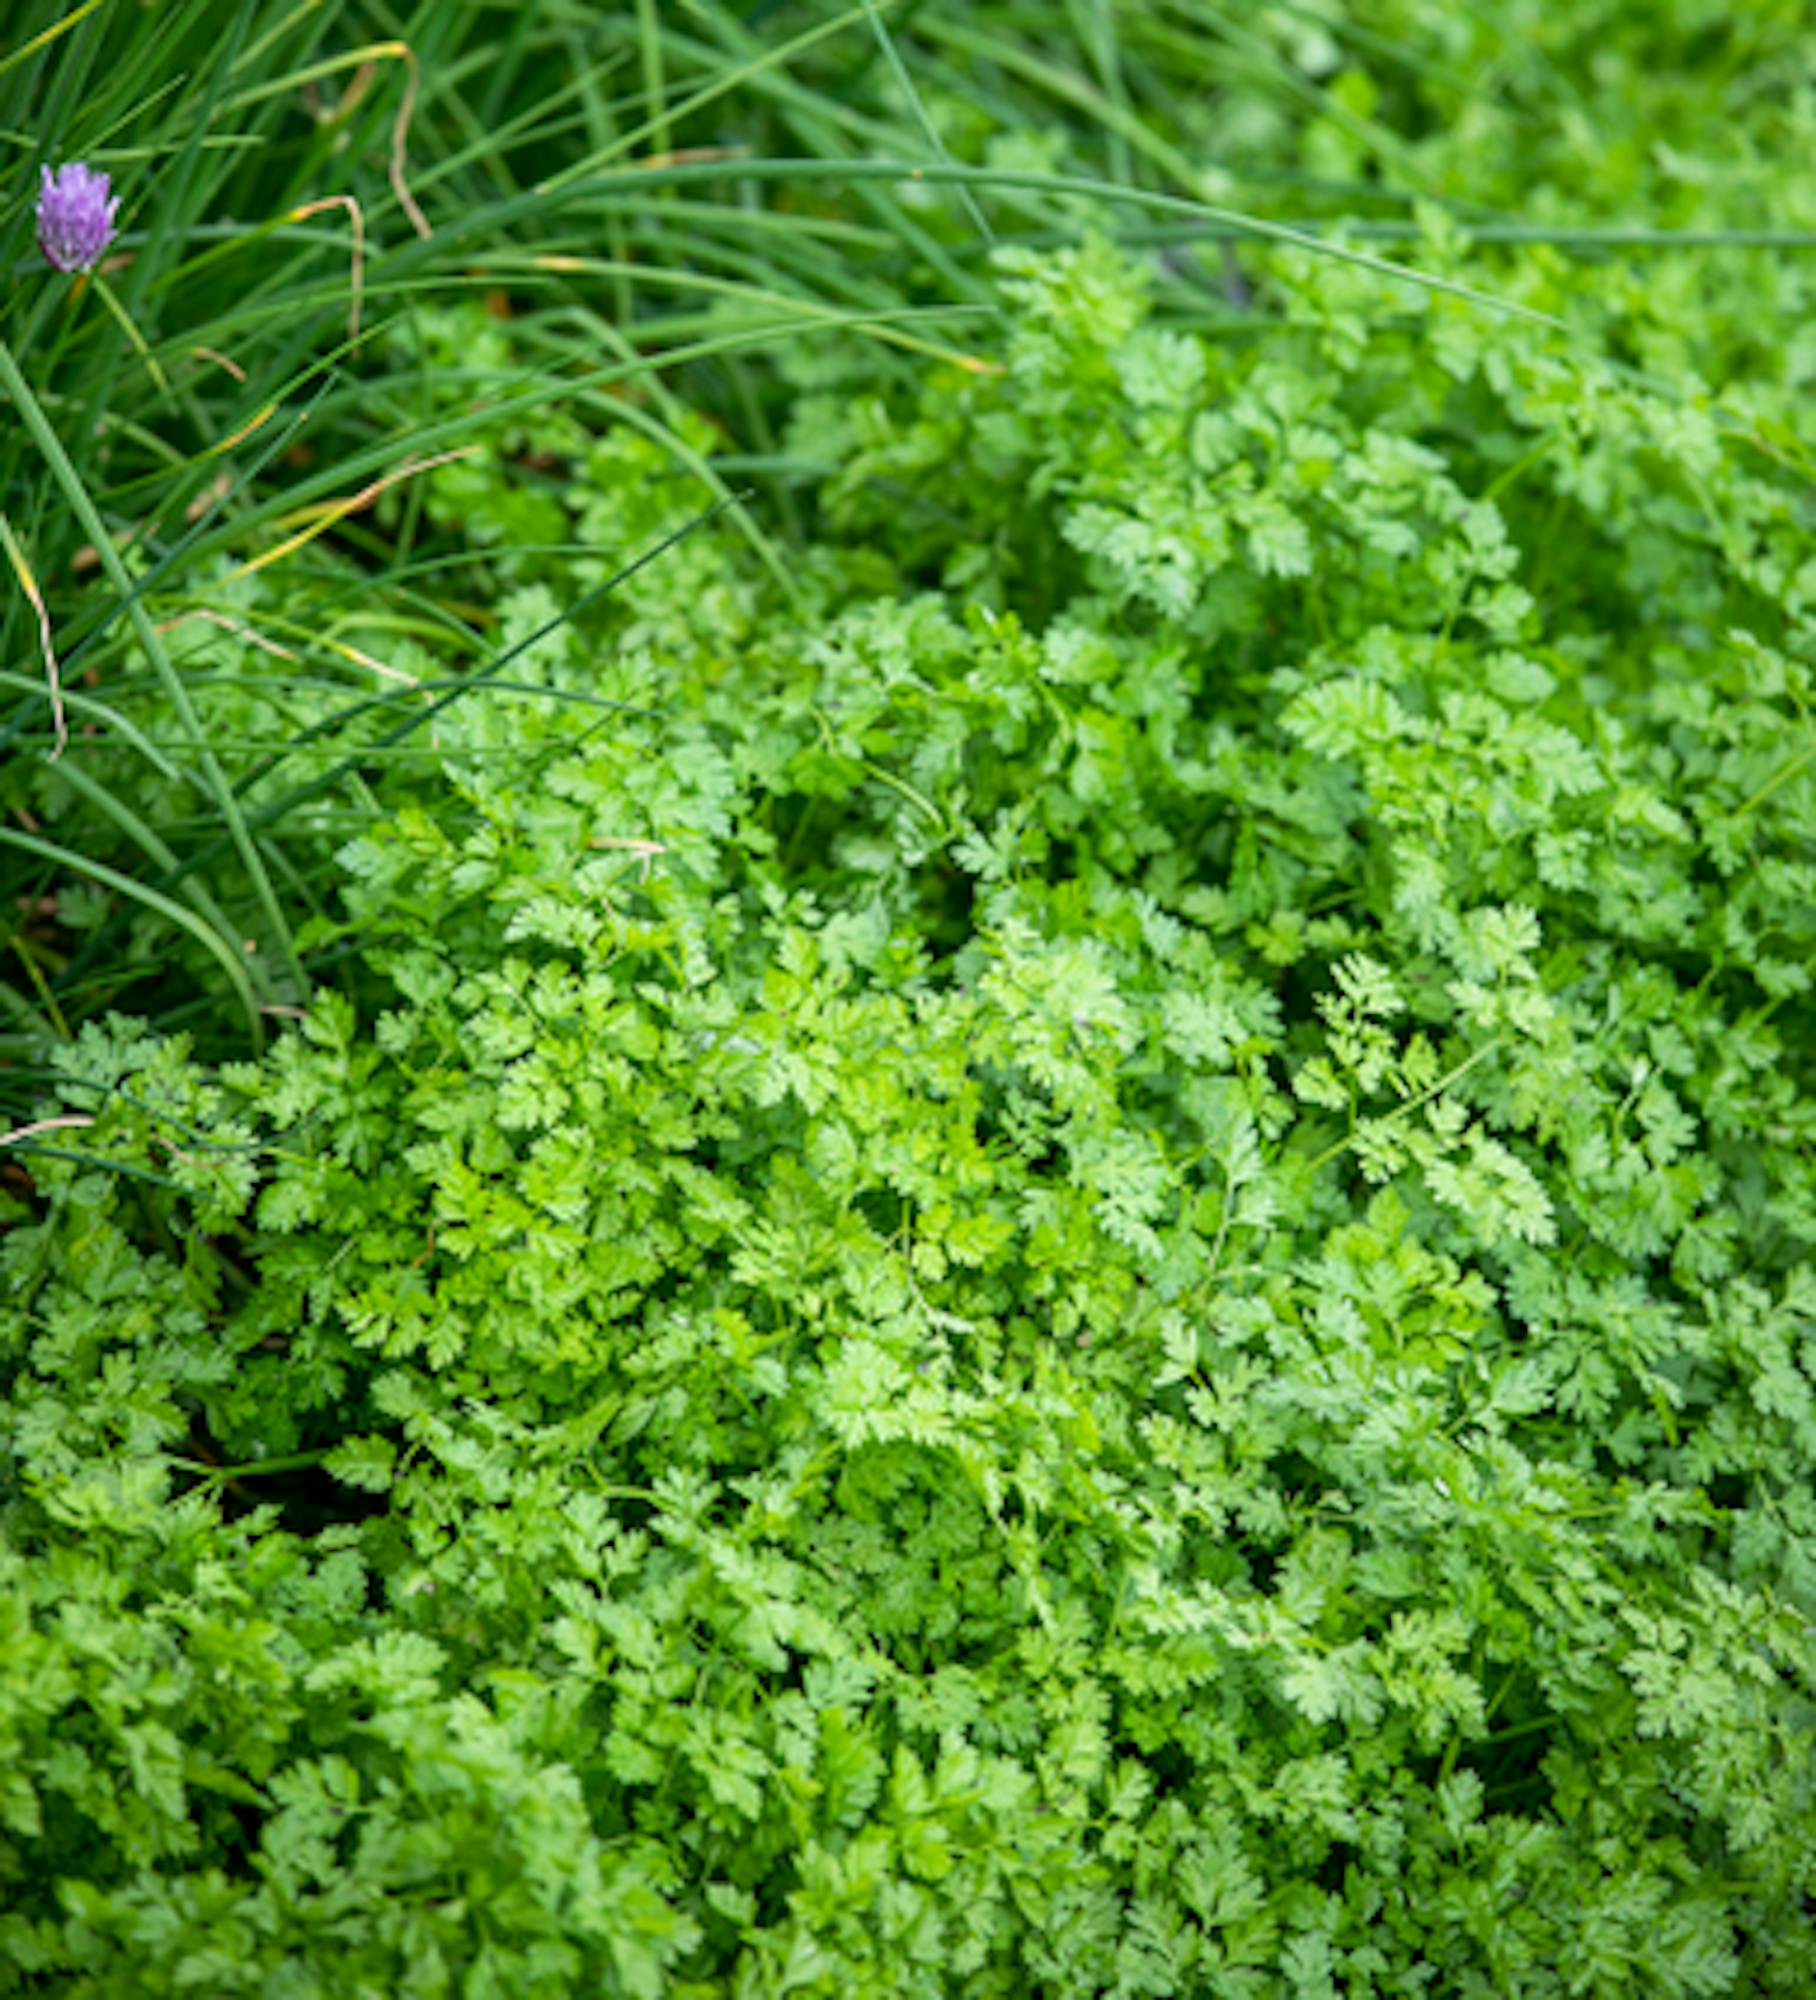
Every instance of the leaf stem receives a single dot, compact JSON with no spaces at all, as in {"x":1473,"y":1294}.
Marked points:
{"x":1412,"y":1104}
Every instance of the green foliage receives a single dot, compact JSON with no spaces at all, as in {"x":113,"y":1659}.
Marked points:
{"x":1055,"y":1235}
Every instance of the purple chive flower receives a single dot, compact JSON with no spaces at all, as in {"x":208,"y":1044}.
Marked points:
{"x":75,"y":216}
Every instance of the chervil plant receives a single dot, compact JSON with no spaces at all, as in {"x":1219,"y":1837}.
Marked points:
{"x":1045,"y":1225}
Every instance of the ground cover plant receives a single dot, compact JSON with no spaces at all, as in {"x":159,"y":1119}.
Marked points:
{"x":910,"y":1073}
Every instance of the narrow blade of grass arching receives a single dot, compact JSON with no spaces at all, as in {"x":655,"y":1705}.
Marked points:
{"x":1236,"y":223}
{"x":45,"y":37}
{"x":129,"y":1169}
{"x":1597,"y":236}
{"x":656,"y":278}
{"x":149,"y":843}
{"x":322,"y":515}
{"x":420,"y":717}
{"x":283,"y":86}
{"x":230,"y":961}
{"x":76,"y":494}
{"x":35,"y":597}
